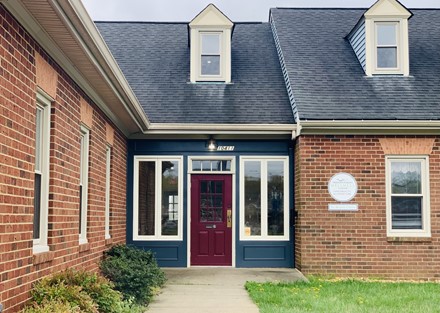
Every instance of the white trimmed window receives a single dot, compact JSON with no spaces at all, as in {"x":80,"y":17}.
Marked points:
{"x":386,"y":39}
{"x":157,"y":198}
{"x":387,"y":46}
{"x":210,"y":55}
{"x":264,"y":198}
{"x":108,"y":153}
{"x":41,"y":179}
{"x":408,"y":205}
{"x":84,"y":184}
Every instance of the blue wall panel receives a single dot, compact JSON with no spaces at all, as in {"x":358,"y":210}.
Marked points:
{"x":248,"y":253}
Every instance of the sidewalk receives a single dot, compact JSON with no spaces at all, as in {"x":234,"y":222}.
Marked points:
{"x":214,"y":289}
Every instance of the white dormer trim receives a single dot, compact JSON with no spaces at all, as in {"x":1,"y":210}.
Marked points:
{"x":211,"y":21}
{"x":387,"y":12}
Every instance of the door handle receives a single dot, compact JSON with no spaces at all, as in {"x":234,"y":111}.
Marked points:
{"x":229,"y":218}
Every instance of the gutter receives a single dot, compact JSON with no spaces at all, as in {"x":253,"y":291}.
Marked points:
{"x":373,"y":127}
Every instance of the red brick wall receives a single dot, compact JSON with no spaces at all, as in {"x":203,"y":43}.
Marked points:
{"x":19,"y":268}
{"x":356,"y":243}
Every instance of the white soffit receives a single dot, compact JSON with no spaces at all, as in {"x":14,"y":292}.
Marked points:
{"x":66,"y":32}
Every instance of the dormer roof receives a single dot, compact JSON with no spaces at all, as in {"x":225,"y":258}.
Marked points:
{"x":388,"y":8}
{"x":211,"y":16}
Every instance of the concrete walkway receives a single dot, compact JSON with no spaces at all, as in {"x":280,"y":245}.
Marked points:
{"x":214,"y":289}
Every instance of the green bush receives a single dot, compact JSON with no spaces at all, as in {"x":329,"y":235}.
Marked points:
{"x":133,"y":271}
{"x":78,"y":291}
{"x":51,"y":307}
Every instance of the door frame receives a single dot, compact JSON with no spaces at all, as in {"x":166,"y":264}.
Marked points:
{"x":190,"y":172}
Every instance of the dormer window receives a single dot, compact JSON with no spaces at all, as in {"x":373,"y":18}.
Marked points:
{"x":387,"y":49}
{"x":210,"y":58}
{"x":380,"y":39}
{"x":210,"y":44}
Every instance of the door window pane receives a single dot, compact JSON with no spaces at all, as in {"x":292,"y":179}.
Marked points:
{"x":252,"y":197}
{"x":170,"y":189}
{"x":406,"y":178}
{"x":211,"y":201}
{"x":275,"y":198}
{"x":147,"y":197}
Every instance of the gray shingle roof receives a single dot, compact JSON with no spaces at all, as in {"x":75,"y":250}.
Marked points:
{"x":328,"y":81}
{"x":155,"y":59}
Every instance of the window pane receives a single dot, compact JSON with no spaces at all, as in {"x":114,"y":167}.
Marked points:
{"x":275,"y":198}
{"x":38,"y":141}
{"x":37,"y":206}
{"x":406,"y":212}
{"x":147,"y":196}
{"x":216,"y":165}
{"x":252,"y":197}
{"x":210,"y":65}
{"x":387,"y":57}
{"x":170,"y":190}
{"x":386,"y":35}
{"x":210,"y":44}
{"x":197,"y":165}
{"x":206,"y":166}
{"x":406,"y":177}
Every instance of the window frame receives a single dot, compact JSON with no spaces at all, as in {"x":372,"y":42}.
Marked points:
{"x":425,"y":182}
{"x":213,"y":78}
{"x":264,"y":206}
{"x":398,"y":46}
{"x":43,"y":103}
{"x":158,"y":201}
{"x":108,"y":157}
{"x":84,"y":182}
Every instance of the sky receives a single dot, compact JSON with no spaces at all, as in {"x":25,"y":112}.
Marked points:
{"x":236,"y":10}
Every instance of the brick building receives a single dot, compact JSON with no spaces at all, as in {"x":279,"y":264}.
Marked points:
{"x":310,"y":141}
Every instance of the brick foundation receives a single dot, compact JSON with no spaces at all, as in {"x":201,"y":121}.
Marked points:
{"x":356,"y":243}
{"x":20,"y":56}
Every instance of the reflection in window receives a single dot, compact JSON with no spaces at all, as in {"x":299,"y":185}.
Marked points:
{"x":170,"y":187}
{"x":386,"y":45}
{"x":211,"y":165}
{"x":211,"y":201}
{"x":147,"y":197}
{"x":252,"y":198}
{"x":264,"y":204}
{"x":275,"y":198}
{"x":210,"y":56}
{"x":406,"y":195}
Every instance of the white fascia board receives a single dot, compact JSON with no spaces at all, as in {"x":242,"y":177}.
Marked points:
{"x":32,"y":26}
{"x":99,"y":42}
{"x":375,"y":127}
{"x":180,"y":128}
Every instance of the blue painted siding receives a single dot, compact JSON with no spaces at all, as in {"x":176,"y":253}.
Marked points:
{"x":248,"y":253}
{"x":358,"y":43}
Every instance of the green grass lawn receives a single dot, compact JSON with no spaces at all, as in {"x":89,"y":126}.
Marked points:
{"x":346,"y":296}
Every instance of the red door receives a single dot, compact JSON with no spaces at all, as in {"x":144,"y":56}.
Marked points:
{"x":211,"y":220}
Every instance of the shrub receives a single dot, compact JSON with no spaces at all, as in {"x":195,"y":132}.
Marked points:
{"x":133,"y":271}
{"x":78,"y":291}
{"x":51,"y":307}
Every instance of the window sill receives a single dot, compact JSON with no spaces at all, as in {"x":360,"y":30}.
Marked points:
{"x":409,"y":239}
{"x":43,"y":257}
{"x":84,"y":247}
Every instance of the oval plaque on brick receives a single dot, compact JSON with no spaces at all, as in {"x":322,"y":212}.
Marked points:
{"x":342,"y":187}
